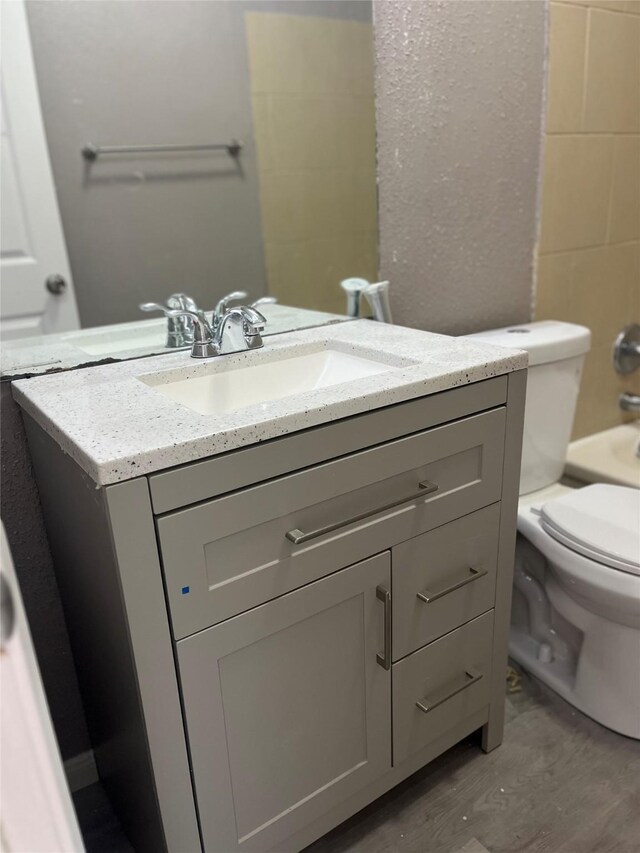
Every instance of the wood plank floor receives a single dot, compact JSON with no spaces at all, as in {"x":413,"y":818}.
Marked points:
{"x":560,"y":783}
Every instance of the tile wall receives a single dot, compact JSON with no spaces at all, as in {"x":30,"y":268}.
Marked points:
{"x":589,"y":252}
{"x":314,"y":122}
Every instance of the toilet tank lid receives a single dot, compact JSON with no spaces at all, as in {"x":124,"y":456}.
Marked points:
{"x":545,"y":341}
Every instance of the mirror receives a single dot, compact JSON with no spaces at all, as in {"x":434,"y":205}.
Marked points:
{"x":198,"y":147}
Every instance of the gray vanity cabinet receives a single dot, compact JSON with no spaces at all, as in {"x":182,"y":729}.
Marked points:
{"x":292,"y":628}
{"x":241,"y":549}
{"x":287,"y":708}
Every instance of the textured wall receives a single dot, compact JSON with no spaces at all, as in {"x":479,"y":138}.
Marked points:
{"x":459,"y":105}
{"x":22,"y":517}
{"x":589,"y":263}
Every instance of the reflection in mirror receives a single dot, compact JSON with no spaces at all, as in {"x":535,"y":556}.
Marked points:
{"x":197,"y":147}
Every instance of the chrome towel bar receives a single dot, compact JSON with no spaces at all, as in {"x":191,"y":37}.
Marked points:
{"x":91,"y":151}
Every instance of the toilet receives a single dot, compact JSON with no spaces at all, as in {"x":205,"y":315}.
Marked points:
{"x":575,"y":620}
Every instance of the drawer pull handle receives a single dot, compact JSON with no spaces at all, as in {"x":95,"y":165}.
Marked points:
{"x":384,"y":659}
{"x":428,"y":597}
{"x":471,"y":676}
{"x":298,"y":537}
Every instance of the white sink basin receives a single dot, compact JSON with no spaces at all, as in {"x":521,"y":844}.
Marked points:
{"x":144,"y":336}
{"x":221,"y":391}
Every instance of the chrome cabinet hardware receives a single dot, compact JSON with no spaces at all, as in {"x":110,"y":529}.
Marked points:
{"x":428,"y":596}
{"x":471,"y":676}
{"x":384,"y":595}
{"x":298,"y":536}
{"x":55,"y":284}
{"x":91,"y":151}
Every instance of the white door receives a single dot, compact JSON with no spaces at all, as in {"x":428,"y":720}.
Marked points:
{"x":37,"y":813}
{"x":36,"y":291}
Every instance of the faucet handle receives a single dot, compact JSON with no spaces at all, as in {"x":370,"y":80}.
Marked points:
{"x":155,"y":306}
{"x":264,"y":300}
{"x":182,"y":301}
{"x":223,"y":304}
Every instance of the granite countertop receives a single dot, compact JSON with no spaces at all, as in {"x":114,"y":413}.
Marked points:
{"x":38,"y":355}
{"x":117,"y":427}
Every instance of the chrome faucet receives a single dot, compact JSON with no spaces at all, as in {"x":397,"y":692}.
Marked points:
{"x":183,"y":330}
{"x":243,"y":324}
{"x":223,"y":305}
{"x":180,"y":328}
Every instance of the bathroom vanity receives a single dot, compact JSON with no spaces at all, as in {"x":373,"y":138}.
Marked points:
{"x":280,"y":608}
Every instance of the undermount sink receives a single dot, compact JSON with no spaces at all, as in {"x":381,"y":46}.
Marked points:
{"x":221,"y":391}
{"x":141,"y":336}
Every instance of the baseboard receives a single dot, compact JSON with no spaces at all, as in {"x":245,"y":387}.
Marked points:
{"x":81,"y":771}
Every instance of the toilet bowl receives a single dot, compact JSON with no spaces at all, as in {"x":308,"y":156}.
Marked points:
{"x":575,"y":621}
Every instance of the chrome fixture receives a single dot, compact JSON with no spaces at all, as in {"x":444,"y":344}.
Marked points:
{"x":626,"y":349}
{"x":180,"y":328}
{"x":264,"y":300}
{"x":244,"y":325}
{"x":377,"y":295}
{"x":181,"y":312}
{"x":629,"y":402}
{"x":222,"y":307}
{"x":353,"y":287}
{"x":91,"y":151}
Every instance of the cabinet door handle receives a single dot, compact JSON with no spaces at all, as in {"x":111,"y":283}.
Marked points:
{"x":471,"y":676}
{"x":427,"y":596}
{"x":384,"y":595}
{"x":298,"y":536}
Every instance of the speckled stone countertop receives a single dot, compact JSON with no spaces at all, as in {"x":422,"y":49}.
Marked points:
{"x":116,"y":426}
{"x":42,"y":354}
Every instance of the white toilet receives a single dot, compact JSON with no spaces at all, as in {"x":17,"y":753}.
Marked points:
{"x":575,"y":620}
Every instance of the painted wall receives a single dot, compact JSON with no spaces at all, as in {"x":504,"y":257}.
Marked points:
{"x":589,"y":262}
{"x":149,"y":72}
{"x":459,"y":109}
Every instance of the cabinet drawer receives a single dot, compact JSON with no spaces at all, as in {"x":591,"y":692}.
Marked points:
{"x":444,"y":578}
{"x":441,"y":685}
{"x":229,"y":554}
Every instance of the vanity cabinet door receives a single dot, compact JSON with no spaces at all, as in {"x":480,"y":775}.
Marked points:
{"x":288,"y":708}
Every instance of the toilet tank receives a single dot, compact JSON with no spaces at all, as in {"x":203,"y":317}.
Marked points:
{"x":556,"y":355}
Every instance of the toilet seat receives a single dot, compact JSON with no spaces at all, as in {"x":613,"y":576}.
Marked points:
{"x":600,"y":522}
